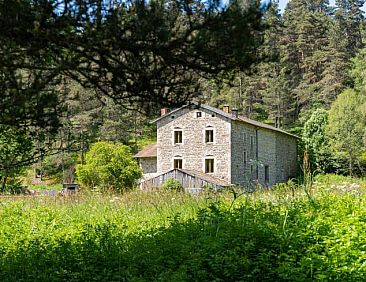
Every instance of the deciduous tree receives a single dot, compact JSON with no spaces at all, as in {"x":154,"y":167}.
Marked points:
{"x":109,"y":166}
{"x":346,"y":126}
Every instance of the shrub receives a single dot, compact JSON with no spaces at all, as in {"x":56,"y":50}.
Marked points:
{"x":109,"y":166}
{"x":172,"y":184}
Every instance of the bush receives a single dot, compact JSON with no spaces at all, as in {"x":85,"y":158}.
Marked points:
{"x":172,"y":184}
{"x":109,"y":166}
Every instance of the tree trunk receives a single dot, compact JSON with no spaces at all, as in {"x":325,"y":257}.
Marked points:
{"x":350,"y":165}
{"x":3,"y":183}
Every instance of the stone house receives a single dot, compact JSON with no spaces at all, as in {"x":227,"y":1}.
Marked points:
{"x":199,"y":141}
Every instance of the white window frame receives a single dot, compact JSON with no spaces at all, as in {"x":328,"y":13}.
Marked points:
{"x":212,"y":136}
{"x":214,"y":164}
{"x":209,"y":128}
{"x":177,"y":159}
{"x":177,"y":130}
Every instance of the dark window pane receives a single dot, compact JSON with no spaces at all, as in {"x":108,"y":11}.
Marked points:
{"x":209,"y":165}
{"x":209,"y":135}
{"x":266,"y":174}
{"x":178,"y":136}
{"x":178,"y":163}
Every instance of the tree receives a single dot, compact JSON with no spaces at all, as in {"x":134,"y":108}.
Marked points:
{"x":315,"y":140}
{"x":358,"y":72}
{"x":349,"y":18}
{"x":151,"y":52}
{"x":142,"y":54}
{"x":15,"y":152}
{"x":109,"y":166}
{"x":145,"y":52}
{"x":346,"y":126}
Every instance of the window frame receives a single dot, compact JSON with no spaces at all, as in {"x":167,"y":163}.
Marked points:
{"x":252,"y":142}
{"x":177,"y":137}
{"x":244,"y":137}
{"x":209,"y":135}
{"x":179,"y":162}
{"x":266,"y":174}
{"x":209,"y":168}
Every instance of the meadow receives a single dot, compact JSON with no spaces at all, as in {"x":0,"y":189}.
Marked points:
{"x":288,"y":233}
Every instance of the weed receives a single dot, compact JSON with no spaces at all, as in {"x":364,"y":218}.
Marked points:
{"x":272,"y":235}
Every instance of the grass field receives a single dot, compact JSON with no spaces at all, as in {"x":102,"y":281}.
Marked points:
{"x":285,"y":234}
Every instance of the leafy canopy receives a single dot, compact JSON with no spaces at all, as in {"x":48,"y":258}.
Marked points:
{"x":314,"y":138}
{"x":109,"y":166}
{"x":347,"y":126}
{"x":15,"y":150}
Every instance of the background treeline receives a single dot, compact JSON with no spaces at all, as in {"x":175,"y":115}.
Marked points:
{"x":76,"y":72}
{"x":306,"y":62}
{"x":73,"y":72}
{"x":310,"y":81}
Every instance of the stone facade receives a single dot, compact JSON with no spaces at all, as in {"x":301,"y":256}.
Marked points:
{"x":194,"y":149}
{"x":148,"y":166}
{"x":230,"y":148}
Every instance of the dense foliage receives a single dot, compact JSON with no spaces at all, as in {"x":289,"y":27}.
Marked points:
{"x":139,"y":54}
{"x":75,"y":72}
{"x":278,"y":235}
{"x":109,"y":166}
{"x":347,"y":126}
{"x":146,"y":52}
{"x":307,"y":53}
{"x":15,"y":153}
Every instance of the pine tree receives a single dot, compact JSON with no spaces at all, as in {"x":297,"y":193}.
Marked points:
{"x":349,"y":18}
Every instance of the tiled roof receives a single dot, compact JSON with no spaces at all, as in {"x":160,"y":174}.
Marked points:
{"x":230,"y":116}
{"x":148,"y":152}
{"x":264,"y":125}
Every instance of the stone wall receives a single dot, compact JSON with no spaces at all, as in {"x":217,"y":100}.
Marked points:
{"x":243,"y":171}
{"x":267,"y":156}
{"x":194,"y":150}
{"x":148,"y":165}
{"x":286,"y":157}
{"x":276,"y":150}
{"x":233,"y":141}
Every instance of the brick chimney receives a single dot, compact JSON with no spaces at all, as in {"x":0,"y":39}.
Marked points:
{"x":226,"y":109}
{"x":164,"y":111}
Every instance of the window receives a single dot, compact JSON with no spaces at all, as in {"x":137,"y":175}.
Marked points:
{"x":266,"y":174}
{"x":244,"y":137}
{"x":209,"y":165}
{"x":209,"y":135}
{"x":178,"y":136}
{"x":199,"y":114}
{"x":178,"y":163}
{"x":245,"y":158}
{"x":252,"y":142}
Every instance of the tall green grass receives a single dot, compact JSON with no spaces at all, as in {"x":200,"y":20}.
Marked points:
{"x":278,"y":235}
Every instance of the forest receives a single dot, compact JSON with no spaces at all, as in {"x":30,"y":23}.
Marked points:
{"x":77,"y":72}
{"x":80,"y":82}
